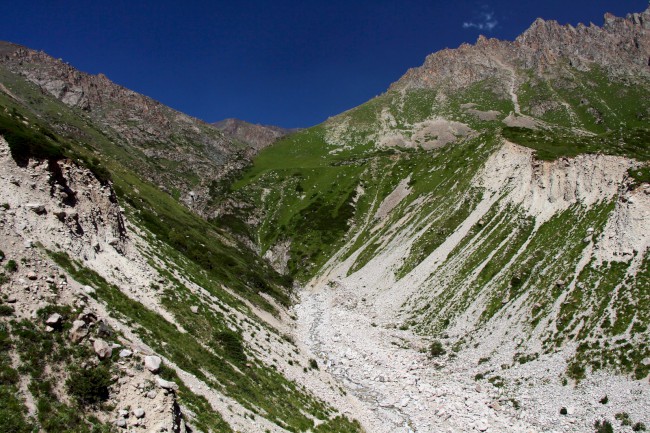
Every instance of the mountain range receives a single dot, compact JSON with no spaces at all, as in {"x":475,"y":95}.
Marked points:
{"x":468,"y":251}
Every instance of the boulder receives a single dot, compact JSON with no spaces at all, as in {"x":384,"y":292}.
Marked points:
{"x":151,"y":394}
{"x":194,"y":309}
{"x":102,"y":349}
{"x":120,"y":422}
{"x":54,"y":320}
{"x":37,"y":208}
{"x":138,"y":412}
{"x":165,"y":384}
{"x":103,"y":330}
{"x":125,"y":353}
{"x":152,"y":363}
{"x":32,"y":276}
{"x":78,"y":331}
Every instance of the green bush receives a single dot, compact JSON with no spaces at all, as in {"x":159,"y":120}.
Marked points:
{"x":313,"y":364}
{"x":639,"y":427}
{"x":6,"y":310}
{"x":436,"y":349}
{"x":11,"y":266}
{"x":624,"y":418}
{"x":89,"y":386}
{"x":603,"y":427}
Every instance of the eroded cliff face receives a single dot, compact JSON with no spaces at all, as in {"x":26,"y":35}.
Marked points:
{"x":527,"y":267}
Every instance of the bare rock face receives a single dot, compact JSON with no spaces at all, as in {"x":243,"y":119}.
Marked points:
{"x":621,"y":46}
{"x":255,"y":136}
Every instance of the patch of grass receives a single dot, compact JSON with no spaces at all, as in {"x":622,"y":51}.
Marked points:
{"x":551,"y":145}
{"x":639,"y":175}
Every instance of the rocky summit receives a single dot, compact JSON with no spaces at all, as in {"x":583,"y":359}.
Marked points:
{"x":469,"y":251}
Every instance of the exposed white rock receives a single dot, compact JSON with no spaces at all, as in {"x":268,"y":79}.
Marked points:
{"x":152,"y":363}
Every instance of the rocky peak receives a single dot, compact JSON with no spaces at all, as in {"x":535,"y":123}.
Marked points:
{"x":150,"y":130}
{"x":253,"y":135}
{"x":621,"y":47}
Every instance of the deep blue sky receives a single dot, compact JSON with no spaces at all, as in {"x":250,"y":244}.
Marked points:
{"x":275,"y":62}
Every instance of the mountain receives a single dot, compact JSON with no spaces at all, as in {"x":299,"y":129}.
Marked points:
{"x":468,"y":251}
{"x":254,"y":136}
{"x":184,"y":156}
{"x":474,"y":242}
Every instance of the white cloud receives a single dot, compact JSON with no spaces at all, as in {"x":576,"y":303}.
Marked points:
{"x":485,"y":21}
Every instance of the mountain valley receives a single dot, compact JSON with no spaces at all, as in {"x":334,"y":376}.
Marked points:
{"x":469,"y":251}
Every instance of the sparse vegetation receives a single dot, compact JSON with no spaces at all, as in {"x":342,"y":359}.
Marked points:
{"x":11,"y":266}
{"x":436,"y":349}
{"x":89,"y":386}
{"x":603,"y":426}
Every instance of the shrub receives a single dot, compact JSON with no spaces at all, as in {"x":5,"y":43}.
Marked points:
{"x":604,"y":400}
{"x":436,"y":349}
{"x":6,"y":310}
{"x":624,"y":418}
{"x":231,"y":344}
{"x":11,"y":266}
{"x":639,"y":427}
{"x":603,"y":427}
{"x":313,"y":364}
{"x":89,"y":386}
{"x":576,"y":371}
